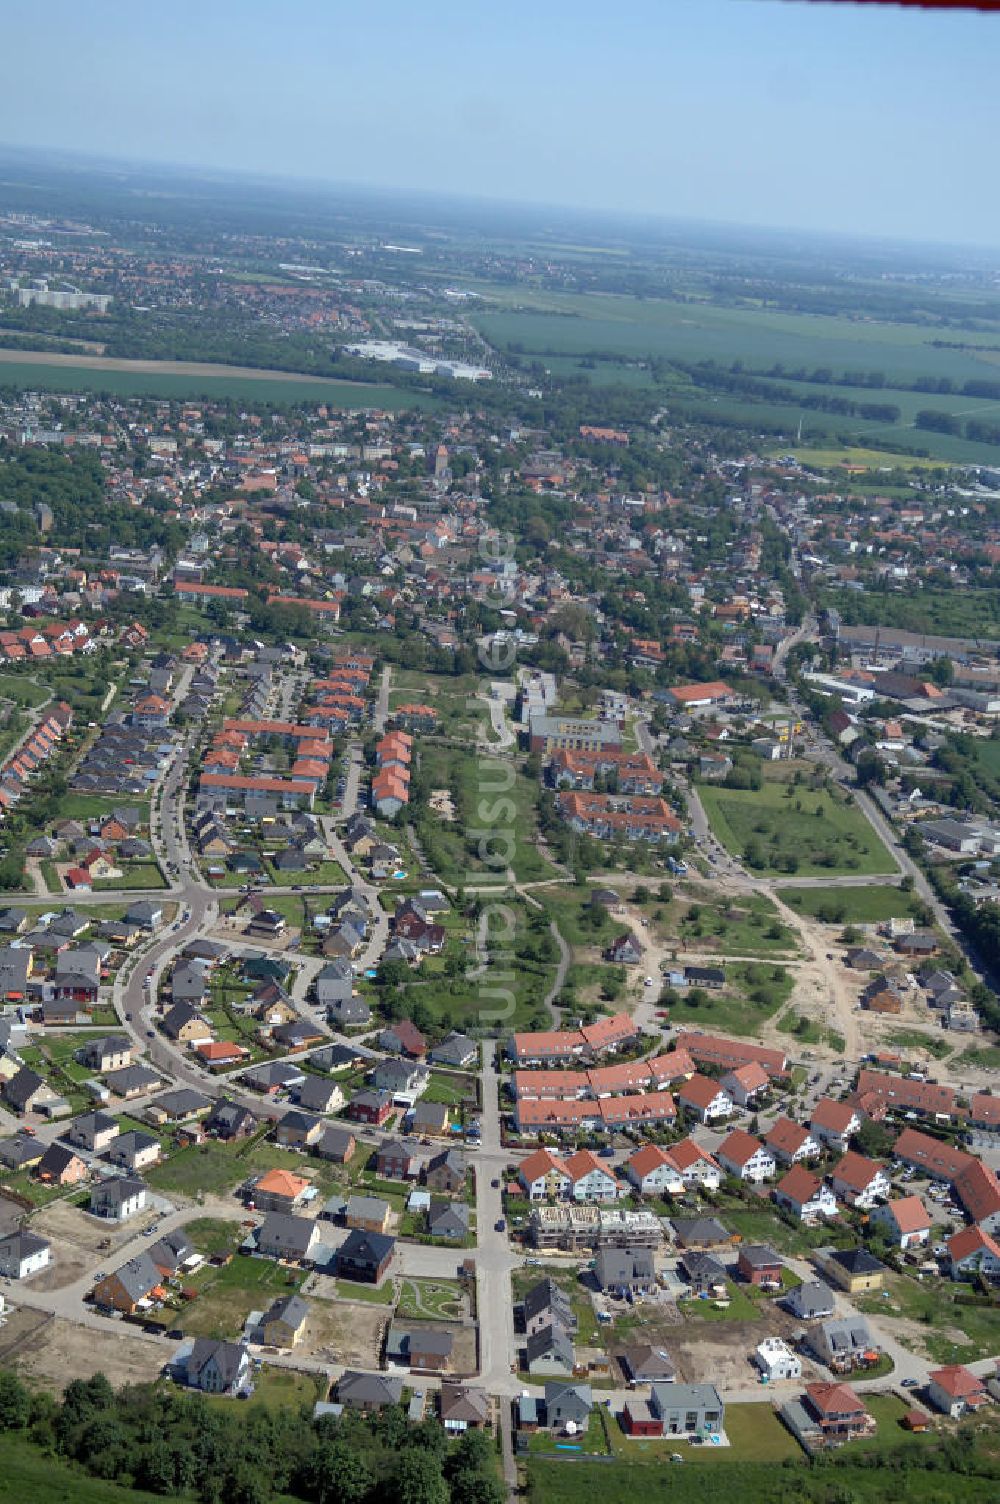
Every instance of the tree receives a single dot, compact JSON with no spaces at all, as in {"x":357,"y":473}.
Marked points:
{"x":15,"y":1402}
{"x":418,"y":1480}
{"x":338,"y":1475}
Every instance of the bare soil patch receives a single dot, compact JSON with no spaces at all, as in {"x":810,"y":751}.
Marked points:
{"x":347,"y":1332}
{"x":63,"y":1351}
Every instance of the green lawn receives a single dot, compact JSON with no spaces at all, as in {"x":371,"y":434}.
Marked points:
{"x":375,"y":1295}
{"x":30,"y":1475}
{"x":421,"y":1299}
{"x":211,"y":1168}
{"x":852,"y":905}
{"x":464,"y":850}
{"x":227,"y":1295}
{"x":23,"y":691}
{"x":916,"y":1039}
{"x":213,"y":1234}
{"x":754,"y":991}
{"x":754,"y":1431}
{"x":783,"y":828}
{"x":745,"y":928}
{"x":740,"y":1308}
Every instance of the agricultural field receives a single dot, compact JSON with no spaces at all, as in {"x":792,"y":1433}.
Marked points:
{"x":788,"y":828}
{"x":575,"y":336}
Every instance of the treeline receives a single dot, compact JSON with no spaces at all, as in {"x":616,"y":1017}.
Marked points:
{"x":979,"y":429}
{"x":737,"y":383}
{"x":943,"y":386}
{"x":170,"y":1442}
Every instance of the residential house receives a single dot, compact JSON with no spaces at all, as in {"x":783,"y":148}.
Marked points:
{"x":805,"y":1196}
{"x":369,"y":1213}
{"x":860,"y":1182}
{"x":217,"y":1367}
{"x":834,"y":1123}
{"x":811,"y":1300}
{"x":568,"y":1404}
{"x":94,"y":1131}
{"x":420,"y":1348}
{"x":133,"y":1151}
{"x":544,"y":1176}
{"x":118,"y":1198}
{"x":368,"y":1392}
{"x":395,"y":1160}
{"x":446,"y":1171}
{"x":60,"y":1166}
{"x":791,"y":1143}
{"x":759,"y":1265}
{"x":282,"y":1323}
{"x":448,"y":1220}
{"x":131,"y":1284}
{"x":365,"y":1256}
{"x":590,"y":1179}
{"x":279,"y":1191}
{"x":652,"y":1171}
{"x":624,"y":1270}
{"x":688,"y":1409}
{"x":549,"y":1349}
{"x":905,"y":1220}
{"x":23,"y":1254}
{"x":704,"y":1099}
{"x":744,"y":1156}
{"x":852,"y":1269}
{"x":838,"y":1412}
{"x":462,"y":1407}
{"x":294,"y":1239}
{"x":973,"y":1252}
{"x":843,"y":1343}
{"x":956,"y":1391}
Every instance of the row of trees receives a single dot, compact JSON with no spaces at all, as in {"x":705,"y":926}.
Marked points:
{"x":171,"y":1443}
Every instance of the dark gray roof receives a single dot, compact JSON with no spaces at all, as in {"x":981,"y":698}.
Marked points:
{"x":368,"y":1389}
{"x":138,"y":1276}
{"x":229,"y":1357}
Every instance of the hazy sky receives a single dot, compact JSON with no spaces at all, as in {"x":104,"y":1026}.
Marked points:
{"x":860,"y":118}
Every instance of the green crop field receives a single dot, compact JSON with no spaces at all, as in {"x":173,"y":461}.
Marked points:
{"x":561,"y":331}
{"x":783,"y":827}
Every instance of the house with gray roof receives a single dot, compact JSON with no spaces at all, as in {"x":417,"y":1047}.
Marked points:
{"x":567,"y":1404}
{"x":622,"y":1270}
{"x":549,"y":1350}
{"x":23,"y":1254}
{"x":217,"y":1367}
{"x":368,"y":1391}
{"x":811,"y":1300}
{"x":118,"y":1198}
{"x":448,"y":1219}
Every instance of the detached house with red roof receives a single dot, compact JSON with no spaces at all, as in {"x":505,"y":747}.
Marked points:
{"x":746,"y":1084}
{"x":834,"y":1123}
{"x":695,"y":1165}
{"x":652,"y":1171}
{"x":860,"y":1182}
{"x":971,"y":1252}
{"x":905,"y":1220}
{"x":791,"y":1143}
{"x":978,"y":1189}
{"x":956,"y":1391}
{"x":805,"y":1196}
{"x":704,"y":1099}
{"x":543,"y":1175}
{"x":743,"y":1155}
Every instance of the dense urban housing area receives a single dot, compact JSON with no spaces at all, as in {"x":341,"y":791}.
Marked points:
{"x":499,"y":858}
